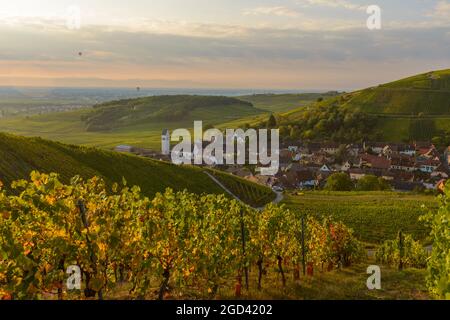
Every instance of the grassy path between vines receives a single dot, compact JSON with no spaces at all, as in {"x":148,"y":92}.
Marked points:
{"x":345,"y":284}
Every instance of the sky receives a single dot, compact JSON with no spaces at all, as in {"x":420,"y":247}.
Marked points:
{"x":264,"y":44}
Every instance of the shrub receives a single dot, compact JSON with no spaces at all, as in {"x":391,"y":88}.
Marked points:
{"x":438,"y":280}
{"x":339,"y":182}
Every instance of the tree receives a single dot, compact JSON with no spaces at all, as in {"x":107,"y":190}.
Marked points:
{"x":284,"y":131}
{"x":342,"y":153}
{"x":272,"y":122}
{"x":339,"y":182}
{"x":372,"y":183}
{"x":295,"y":133}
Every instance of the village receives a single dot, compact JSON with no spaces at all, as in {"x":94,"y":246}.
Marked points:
{"x":406,"y":167}
{"x":307,"y":166}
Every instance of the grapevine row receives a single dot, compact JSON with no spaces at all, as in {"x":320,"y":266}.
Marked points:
{"x":176,"y":239}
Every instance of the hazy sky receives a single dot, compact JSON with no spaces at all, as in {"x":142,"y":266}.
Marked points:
{"x":290,"y":44}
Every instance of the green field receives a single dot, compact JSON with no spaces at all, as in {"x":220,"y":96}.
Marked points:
{"x":398,"y":128}
{"x":284,"y":102}
{"x":143,"y":129}
{"x":374,"y":216}
{"x":427,"y":93}
{"x":139,"y":122}
{"x":67,"y":127}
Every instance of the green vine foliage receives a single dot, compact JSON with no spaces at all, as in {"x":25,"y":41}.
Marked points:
{"x":439,"y":263}
{"x":193,"y":243}
{"x":412,"y":253}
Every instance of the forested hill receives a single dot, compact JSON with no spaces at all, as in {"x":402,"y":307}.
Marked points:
{"x":133,"y":112}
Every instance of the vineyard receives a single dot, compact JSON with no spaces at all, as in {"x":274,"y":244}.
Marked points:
{"x":375,"y":216}
{"x":176,"y":242}
{"x":250,"y":193}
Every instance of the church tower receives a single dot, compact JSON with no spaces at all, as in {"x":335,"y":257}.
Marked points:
{"x":165,"y":142}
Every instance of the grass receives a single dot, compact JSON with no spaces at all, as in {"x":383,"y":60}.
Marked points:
{"x":374,"y":216}
{"x":397,"y":104}
{"x":341,"y":284}
{"x":427,"y":93}
{"x":72,"y":127}
{"x":344,"y":284}
{"x":397,"y":128}
{"x":68,"y":127}
{"x":283,"y":102}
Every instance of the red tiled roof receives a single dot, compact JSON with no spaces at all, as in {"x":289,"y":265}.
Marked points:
{"x":376,"y":162}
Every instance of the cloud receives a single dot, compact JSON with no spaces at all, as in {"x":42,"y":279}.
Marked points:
{"x":221,"y":55}
{"x":273,"y":11}
{"x":333,"y":4}
{"x":441,"y":10}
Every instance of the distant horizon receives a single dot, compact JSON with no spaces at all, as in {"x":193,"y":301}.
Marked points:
{"x":252,"y":44}
{"x":185,"y":89}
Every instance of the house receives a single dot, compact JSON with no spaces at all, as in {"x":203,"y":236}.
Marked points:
{"x":356,"y":174}
{"x":330,"y":148}
{"x":288,"y":180}
{"x":325,"y":168}
{"x":377,"y":147}
{"x":425,"y":149}
{"x":429,"y":165}
{"x":297,"y":157}
{"x":389,"y":150}
{"x":407,"y":150}
{"x":375,"y":162}
{"x":306,"y":180}
{"x":319,"y":158}
{"x":440,"y":172}
{"x":403,"y":163}
{"x":399,"y":149}
{"x":346,"y":166}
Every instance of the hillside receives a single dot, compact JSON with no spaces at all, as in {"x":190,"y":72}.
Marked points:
{"x":414,"y":108}
{"x":135,"y":112}
{"x":284,"y":102}
{"x":427,"y":93}
{"x":19,"y":156}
